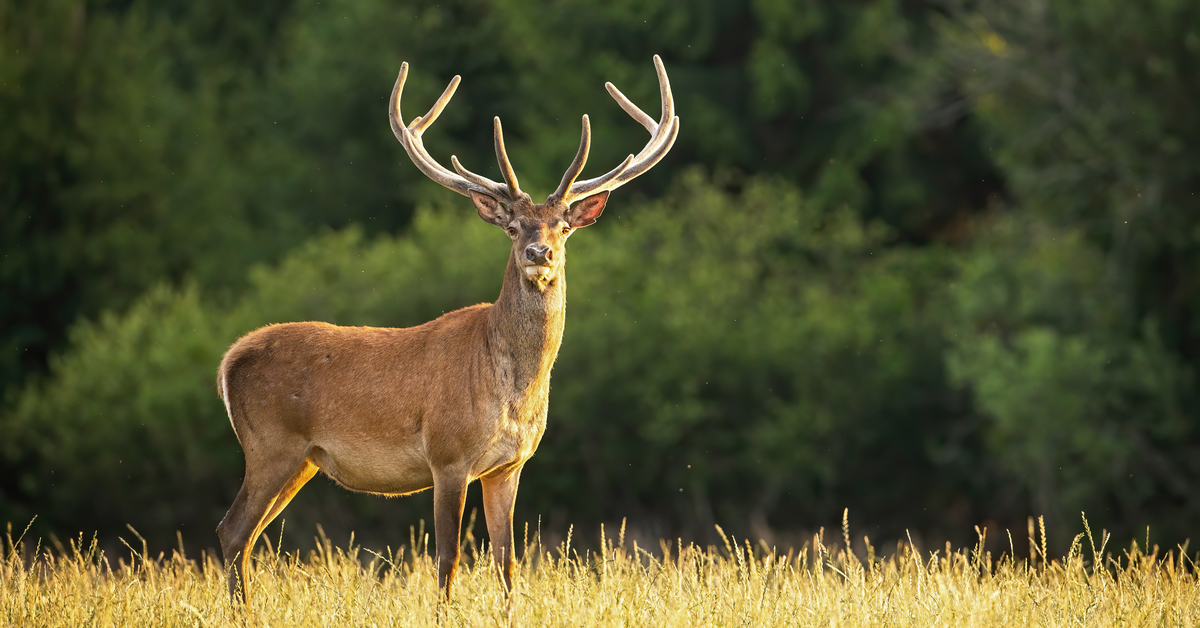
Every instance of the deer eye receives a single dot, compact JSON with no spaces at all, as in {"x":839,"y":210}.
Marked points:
{"x":512,"y":231}
{"x":566,"y":230}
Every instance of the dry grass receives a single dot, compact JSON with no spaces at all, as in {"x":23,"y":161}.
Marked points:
{"x":623,"y":585}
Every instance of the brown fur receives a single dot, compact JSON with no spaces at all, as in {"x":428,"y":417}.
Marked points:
{"x":395,"y":411}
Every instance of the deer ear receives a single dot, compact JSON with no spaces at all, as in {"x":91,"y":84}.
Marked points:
{"x":490,"y":209}
{"x":586,"y":212}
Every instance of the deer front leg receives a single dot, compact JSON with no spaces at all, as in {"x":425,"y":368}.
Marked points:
{"x":449,"y":494}
{"x":499,"y":496}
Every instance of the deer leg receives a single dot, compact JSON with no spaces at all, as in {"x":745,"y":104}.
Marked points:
{"x":449,"y":495}
{"x":285,"y":496}
{"x":264,"y":493}
{"x":499,"y":496}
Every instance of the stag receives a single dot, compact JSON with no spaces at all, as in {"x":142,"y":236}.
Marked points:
{"x":463,"y":397}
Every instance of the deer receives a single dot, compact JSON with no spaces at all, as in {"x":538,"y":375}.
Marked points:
{"x":464,"y":397}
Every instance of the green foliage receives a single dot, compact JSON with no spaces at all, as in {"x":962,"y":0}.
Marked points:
{"x":1089,"y":109}
{"x":184,"y":141}
{"x":795,"y":341}
{"x":981,"y":306}
{"x":1078,"y":336}
{"x":734,"y":354}
{"x":786,"y":342}
{"x":1080,"y":414}
{"x":128,"y":422}
{"x":114,"y":177}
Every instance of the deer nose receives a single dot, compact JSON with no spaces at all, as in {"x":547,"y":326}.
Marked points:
{"x":538,"y":253}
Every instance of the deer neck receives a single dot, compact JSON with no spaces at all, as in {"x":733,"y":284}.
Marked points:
{"x":526,"y":327}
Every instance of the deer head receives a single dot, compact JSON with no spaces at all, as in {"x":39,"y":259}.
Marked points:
{"x":539,"y":231}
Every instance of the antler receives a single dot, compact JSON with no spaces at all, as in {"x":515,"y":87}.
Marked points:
{"x":662,"y":137}
{"x":465,"y":181}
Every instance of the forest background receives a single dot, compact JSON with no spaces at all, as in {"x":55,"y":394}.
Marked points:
{"x":937,"y":262}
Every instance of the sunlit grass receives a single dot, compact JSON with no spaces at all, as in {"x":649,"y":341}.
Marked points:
{"x":735,"y":584}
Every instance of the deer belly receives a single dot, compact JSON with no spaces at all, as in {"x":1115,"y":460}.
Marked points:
{"x":380,"y":469}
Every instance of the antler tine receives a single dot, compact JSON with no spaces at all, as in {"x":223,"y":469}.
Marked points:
{"x":499,"y":190}
{"x":593,"y":185}
{"x":664,"y":89}
{"x":418,"y":125}
{"x":585,"y":145}
{"x":662,"y":138}
{"x":394,"y":104}
{"x":506,"y":169}
{"x":410,"y":138}
{"x":632,"y":109}
{"x":509,"y":191}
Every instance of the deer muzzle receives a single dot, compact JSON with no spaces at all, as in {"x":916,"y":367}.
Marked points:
{"x":538,"y":253}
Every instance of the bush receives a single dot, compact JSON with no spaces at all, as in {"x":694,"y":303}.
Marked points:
{"x":128,"y":428}
{"x":1083,"y":405}
{"x":744,"y":359}
{"x":733,"y":355}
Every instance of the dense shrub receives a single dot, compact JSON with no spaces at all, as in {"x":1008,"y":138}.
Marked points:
{"x":128,"y":427}
{"x":732,"y":356}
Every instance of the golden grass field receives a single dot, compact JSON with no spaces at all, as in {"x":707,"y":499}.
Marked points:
{"x":736,"y":584}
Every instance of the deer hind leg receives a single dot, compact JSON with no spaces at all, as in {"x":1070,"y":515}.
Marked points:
{"x":266,"y":490}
